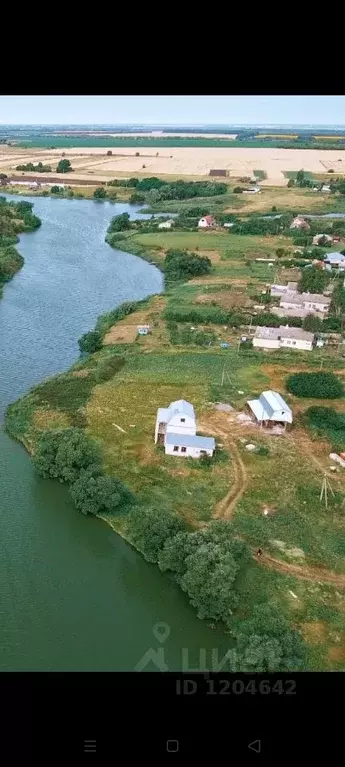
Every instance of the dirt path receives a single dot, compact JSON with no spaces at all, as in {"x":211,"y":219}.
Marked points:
{"x":225,"y":508}
{"x":305,"y":572}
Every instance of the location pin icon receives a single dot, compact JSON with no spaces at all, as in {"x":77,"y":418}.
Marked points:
{"x":161,"y":631}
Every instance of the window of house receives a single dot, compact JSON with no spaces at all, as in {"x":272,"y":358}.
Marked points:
{"x":203,"y":452}
{"x":294,"y":343}
{"x":175,"y":449}
{"x":183,"y":420}
{"x":183,"y":449}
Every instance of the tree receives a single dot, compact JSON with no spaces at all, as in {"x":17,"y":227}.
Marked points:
{"x":56,"y":189}
{"x":119,"y":223}
{"x":151,"y":528}
{"x":179,"y":264}
{"x":265,"y":643}
{"x":338,"y":299}
{"x":153,"y":196}
{"x":312,"y":323}
{"x":109,"y":153}
{"x":99,"y":193}
{"x":291,"y":182}
{"x":321,"y":385}
{"x":96,"y":493}
{"x":206,"y":564}
{"x":90,"y":342}
{"x":64,"y":166}
{"x":300,"y":177}
{"x":313,"y":280}
{"x":63,"y":453}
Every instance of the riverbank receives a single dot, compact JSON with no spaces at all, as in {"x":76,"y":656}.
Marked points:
{"x":14,"y":218}
{"x":119,"y":414}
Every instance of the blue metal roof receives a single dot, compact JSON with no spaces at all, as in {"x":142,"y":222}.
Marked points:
{"x":190,"y":440}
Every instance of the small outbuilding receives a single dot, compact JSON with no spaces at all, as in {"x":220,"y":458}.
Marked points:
{"x":166,"y":224}
{"x":270,"y":409}
{"x":207,"y":222}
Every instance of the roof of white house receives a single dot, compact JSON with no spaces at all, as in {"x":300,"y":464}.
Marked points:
{"x":190,"y":440}
{"x":283,"y":332}
{"x":334,"y":257}
{"x":269,"y":403}
{"x":301,"y":298}
{"x":181,"y":406}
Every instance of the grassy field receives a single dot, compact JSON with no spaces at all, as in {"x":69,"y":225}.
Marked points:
{"x":217,"y":243}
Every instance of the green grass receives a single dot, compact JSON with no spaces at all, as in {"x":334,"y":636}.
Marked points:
{"x":239,"y":245}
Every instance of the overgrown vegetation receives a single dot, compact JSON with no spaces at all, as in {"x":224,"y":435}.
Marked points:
{"x":15,"y":217}
{"x":325,"y":421}
{"x":39,"y":168}
{"x":320,"y":385}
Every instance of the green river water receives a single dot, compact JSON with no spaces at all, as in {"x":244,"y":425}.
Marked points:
{"x":74,"y":595}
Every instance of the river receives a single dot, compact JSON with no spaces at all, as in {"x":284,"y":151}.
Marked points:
{"x":74,"y":595}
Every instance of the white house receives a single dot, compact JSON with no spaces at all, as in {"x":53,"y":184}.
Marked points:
{"x":282,"y":338}
{"x":143,"y":330}
{"x":335,"y":259}
{"x":189,"y":446}
{"x":310,"y":303}
{"x":178,"y":418}
{"x":207,"y":222}
{"x":270,"y":409}
{"x":176,"y":430}
{"x":166,"y":224}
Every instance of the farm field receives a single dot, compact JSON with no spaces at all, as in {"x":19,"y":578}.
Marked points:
{"x":180,"y":161}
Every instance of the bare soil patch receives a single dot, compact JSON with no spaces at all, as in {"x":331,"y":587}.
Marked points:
{"x":314,"y":632}
{"x":120,"y":334}
{"x":226,"y":299}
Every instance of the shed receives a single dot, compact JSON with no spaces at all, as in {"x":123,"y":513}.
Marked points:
{"x":143,"y":330}
{"x":206,"y":222}
{"x":218,"y":172}
{"x":270,"y":408}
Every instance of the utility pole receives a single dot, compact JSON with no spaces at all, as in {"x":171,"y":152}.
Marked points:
{"x":324,"y":490}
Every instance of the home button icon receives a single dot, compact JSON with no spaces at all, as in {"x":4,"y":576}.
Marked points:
{"x":172,"y":746}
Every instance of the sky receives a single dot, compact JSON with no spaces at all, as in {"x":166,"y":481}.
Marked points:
{"x":173,"y":110}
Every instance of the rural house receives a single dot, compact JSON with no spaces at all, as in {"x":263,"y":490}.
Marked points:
{"x":166,"y":224}
{"x":207,"y":222}
{"x":270,"y":409}
{"x":308,"y":303}
{"x":335,"y":259}
{"x":143,"y":330}
{"x":299,"y":223}
{"x":176,"y":430}
{"x":282,"y":338}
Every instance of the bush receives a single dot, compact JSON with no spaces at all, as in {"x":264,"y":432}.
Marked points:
{"x":63,"y":453}
{"x":320,"y":385}
{"x":95,"y":493}
{"x":313,"y":280}
{"x":119,"y":223}
{"x":179,"y":265}
{"x":56,"y":189}
{"x":90,"y":342}
{"x":99,"y":193}
{"x":64,"y":166}
{"x":151,"y":528}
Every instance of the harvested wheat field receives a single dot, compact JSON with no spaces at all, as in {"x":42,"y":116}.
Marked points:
{"x":183,"y":161}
